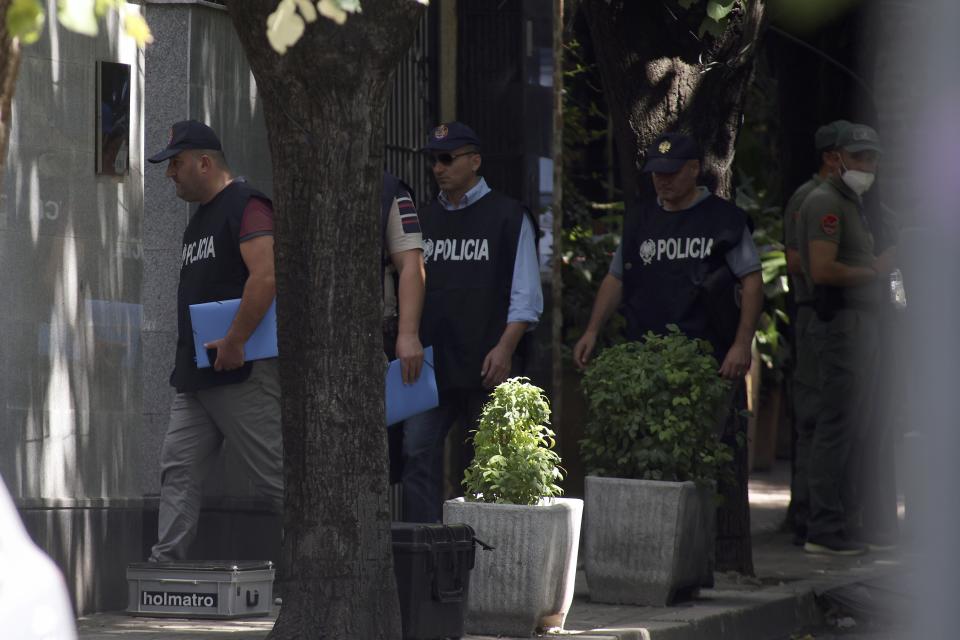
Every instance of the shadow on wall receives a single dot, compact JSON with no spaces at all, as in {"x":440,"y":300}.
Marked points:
{"x":71,"y":251}
{"x":223,"y":93}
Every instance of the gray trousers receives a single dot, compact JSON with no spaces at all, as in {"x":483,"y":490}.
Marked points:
{"x":248,"y":415}
{"x":806,"y":406}
{"x":847,"y":351}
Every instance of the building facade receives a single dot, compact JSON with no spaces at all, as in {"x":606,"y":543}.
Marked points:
{"x":90,"y":242}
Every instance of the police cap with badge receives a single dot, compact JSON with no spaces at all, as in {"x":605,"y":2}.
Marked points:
{"x":669,"y":152}
{"x":451,"y":136}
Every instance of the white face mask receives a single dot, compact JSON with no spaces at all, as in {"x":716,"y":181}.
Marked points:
{"x":858,"y":181}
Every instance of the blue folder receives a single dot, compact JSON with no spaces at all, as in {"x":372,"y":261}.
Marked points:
{"x":406,"y":400}
{"x":211,"y":320}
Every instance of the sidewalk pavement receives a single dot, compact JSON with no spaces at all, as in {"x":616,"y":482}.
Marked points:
{"x":781,"y":600}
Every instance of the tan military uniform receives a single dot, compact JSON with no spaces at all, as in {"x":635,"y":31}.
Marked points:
{"x":806,"y":398}
{"x":845,"y":335}
{"x":398,"y":240}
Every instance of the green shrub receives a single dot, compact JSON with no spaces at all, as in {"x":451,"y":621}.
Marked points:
{"x":653,"y":411}
{"x":514,"y":461}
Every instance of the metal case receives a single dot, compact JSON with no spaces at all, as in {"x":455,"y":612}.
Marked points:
{"x":214,"y":589}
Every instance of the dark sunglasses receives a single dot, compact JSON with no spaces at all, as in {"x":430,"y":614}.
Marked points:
{"x":446,"y":159}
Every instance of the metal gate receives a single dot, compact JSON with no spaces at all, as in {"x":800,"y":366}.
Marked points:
{"x":412,"y":110}
{"x":490,"y":96}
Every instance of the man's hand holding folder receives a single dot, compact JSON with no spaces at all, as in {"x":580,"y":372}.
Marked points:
{"x":405,"y":400}
{"x":229,"y":353}
{"x":410,"y":355}
{"x":211,"y":320}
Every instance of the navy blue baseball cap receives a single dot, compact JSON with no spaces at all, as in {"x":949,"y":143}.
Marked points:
{"x":188,"y":134}
{"x":450,"y":136}
{"x":669,"y":152}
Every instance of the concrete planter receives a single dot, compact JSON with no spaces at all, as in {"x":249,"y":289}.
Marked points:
{"x":647,"y":542}
{"x":527,"y":581}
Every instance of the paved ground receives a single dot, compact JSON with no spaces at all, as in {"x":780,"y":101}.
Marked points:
{"x":780,"y":603}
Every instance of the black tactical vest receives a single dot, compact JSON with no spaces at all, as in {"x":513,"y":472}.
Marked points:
{"x":211,"y":269}
{"x":469,"y":257}
{"x":674,"y":267}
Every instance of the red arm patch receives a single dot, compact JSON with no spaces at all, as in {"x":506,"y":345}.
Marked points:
{"x":830,"y":224}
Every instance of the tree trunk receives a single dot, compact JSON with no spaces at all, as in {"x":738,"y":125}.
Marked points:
{"x":324,"y":108}
{"x":9,"y":69}
{"x":659,"y":76}
{"x":556,"y":208}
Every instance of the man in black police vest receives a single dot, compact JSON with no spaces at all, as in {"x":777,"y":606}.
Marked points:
{"x":483,"y":293}
{"x":682,"y":258}
{"x":227,"y":254}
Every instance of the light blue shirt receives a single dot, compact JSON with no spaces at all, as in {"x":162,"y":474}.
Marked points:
{"x":526,"y":297}
{"x":742,"y":259}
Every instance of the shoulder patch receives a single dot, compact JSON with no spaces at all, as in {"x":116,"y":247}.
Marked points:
{"x":409,"y":220}
{"x":830,"y":224}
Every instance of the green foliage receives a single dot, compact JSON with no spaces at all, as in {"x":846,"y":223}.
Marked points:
{"x":591,"y":230}
{"x":717,"y":10}
{"x":285,"y":26}
{"x":712,"y":14}
{"x":586,"y":260}
{"x":654,"y":407}
{"x":25,"y":18}
{"x":514,"y":461}
{"x":805,"y":17}
{"x":771,"y":338}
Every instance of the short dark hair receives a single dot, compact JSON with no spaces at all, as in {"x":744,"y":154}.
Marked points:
{"x":219,"y":158}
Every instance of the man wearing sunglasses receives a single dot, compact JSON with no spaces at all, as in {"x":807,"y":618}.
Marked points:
{"x":482,"y":295}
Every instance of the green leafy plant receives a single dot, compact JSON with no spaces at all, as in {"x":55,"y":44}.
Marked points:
{"x":654,"y":406}
{"x":715,"y":14}
{"x":592,"y":209}
{"x":514,"y":461}
{"x":586,"y":261}
{"x":772,"y":336}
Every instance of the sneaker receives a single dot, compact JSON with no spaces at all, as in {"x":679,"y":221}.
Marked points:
{"x":834,"y":544}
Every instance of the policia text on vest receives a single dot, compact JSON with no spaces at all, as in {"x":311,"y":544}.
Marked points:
{"x":675,"y":270}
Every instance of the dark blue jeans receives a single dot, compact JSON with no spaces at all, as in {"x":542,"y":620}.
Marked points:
{"x":423,"y":446}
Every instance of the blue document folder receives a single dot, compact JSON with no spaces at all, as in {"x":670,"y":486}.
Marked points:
{"x":211,"y":320}
{"x":406,"y":400}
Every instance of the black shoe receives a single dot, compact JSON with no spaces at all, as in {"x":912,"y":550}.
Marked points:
{"x":799,"y":534}
{"x":834,"y":544}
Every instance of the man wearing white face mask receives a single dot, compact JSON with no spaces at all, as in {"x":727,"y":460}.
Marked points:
{"x":837,"y":255}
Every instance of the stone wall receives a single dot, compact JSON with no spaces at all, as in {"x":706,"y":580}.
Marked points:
{"x":71,"y":254}
{"x":195,"y":69}
{"x":90,"y":266}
